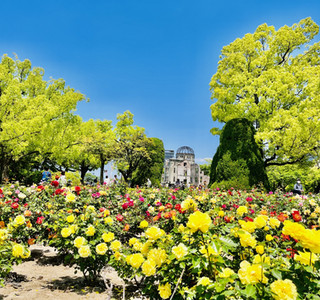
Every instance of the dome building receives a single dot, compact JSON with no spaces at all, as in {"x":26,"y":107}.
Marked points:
{"x":183,"y":170}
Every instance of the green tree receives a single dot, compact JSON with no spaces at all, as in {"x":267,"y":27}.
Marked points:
{"x":238,"y":160}
{"x":31,"y":110}
{"x":130,"y":147}
{"x":272,"y":78}
{"x":150,"y":168}
{"x":205,"y":168}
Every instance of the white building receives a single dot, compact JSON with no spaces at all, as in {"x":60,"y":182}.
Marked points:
{"x":183,"y":169}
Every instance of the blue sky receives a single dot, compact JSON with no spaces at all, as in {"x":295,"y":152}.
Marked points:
{"x":154,"y":58}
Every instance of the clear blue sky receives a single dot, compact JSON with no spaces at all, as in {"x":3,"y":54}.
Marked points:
{"x":154,"y":58}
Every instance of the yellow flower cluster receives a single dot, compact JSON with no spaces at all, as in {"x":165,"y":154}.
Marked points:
{"x":199,"y":221}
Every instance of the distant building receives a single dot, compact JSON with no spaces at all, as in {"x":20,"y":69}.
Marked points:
{"x":183,"y":169}
{"x":168,"y":154}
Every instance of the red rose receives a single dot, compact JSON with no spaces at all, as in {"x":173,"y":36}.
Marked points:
{"x":296,"y":216}
{"x":58,"y":191}
{"x":119,"y":218}
{"x":125,"y":205}
{"x":77,"y":188}
{"x":55,"y":183}
{"x":15,"y":205}
{"x":39,"y":220}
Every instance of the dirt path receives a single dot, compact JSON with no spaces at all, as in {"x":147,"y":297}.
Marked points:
{"x":44,"y":277}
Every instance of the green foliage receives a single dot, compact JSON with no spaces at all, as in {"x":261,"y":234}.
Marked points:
{"x":152,"y":168}
{"x":130,"y":147}
{"x":271,"y":78}
{"x":35,"y":114}
{"x":238,"y":160}
{"x":206,"y":167}
{"x":284,"y":177}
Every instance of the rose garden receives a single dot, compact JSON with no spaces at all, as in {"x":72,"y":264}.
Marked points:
{"x":244,"y":236}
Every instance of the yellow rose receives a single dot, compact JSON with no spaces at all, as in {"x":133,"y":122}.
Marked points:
{"x":242,"y":210}
{"x":260,"y":222}
{"x":70,"y":219}
{"x":149,"y":267}
{"x":221,"y":213}
{"x":19,"y":220}
{"x":164,"y":290}
{"x":226,"y":273}
{"x":154,"y":233}
{"x":284,"y":289}
{"x":251,"y":274}
{"x":260,"y":249}
{"x":180,"y":251}
{"x":204,"y":281}
{"x":306,"y":258}
{"x":17,"y":250}
{"x":199,"y":221}
{"x":247,"y":240}
{"x":108,"y":220}
{"x":90,"y":231}
{"x":70,"y":197}
{"x":144,"y":224}
{"x":159,"y":256}
{"x":79,"y":241}
{"x":274,"y":223}
{"x":135,"y":260}
{"x":101,"y":248}
{"x":258,"y":259}
{"x":269,"y":237}
{"x":84,"y":251}
{"x":248,"y":226}
{"x":115,"y":245}
{"x":65,"y":232}
{"x":108,"y":237}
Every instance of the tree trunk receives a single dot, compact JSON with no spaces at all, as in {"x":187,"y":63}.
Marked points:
{"x":102,"y":161}
{"x":83,"y":170}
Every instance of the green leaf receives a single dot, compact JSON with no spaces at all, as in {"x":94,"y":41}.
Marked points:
{"x":277,"y":274}
{"x":228,"y":242}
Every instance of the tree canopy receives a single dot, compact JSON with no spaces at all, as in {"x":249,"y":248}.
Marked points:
{"x":34,"y":113}
{"x":272,"y":78}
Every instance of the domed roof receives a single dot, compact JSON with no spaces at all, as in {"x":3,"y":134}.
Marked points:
{"x":185,"y":150}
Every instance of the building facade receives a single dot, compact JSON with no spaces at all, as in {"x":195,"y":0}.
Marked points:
{"x":182,"y":169}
